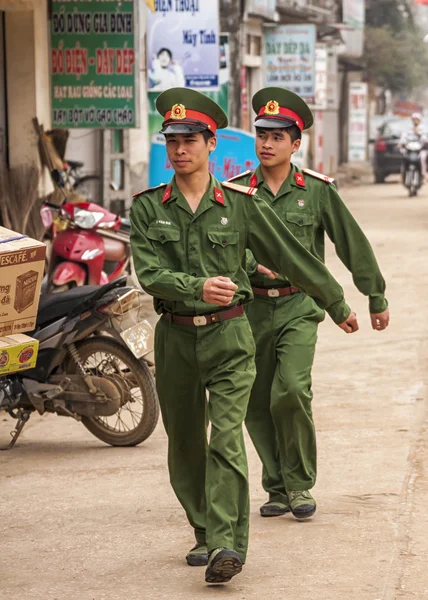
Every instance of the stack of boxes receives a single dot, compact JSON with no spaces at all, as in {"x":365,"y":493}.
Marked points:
{"x":22,"y":261}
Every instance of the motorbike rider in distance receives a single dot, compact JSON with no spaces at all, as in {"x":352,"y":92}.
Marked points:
{"x":416,"y":133}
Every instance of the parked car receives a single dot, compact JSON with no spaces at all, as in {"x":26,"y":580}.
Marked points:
{"x":387,"y":158}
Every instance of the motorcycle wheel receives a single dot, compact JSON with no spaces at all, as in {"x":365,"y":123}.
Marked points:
{"x":136,"y":420}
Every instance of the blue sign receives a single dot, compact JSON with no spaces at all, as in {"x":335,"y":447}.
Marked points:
{"x":234,"y":154}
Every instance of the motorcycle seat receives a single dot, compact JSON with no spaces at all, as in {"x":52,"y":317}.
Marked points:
{"x":75,"y":164}
{"x":55,"y":306}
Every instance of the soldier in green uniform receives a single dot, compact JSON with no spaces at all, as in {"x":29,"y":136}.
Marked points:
{"x":283,"y":318}
{"x":188,"y":241}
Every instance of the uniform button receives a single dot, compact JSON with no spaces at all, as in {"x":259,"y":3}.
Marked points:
{"x":192,"y":248}
{"x":300,"y":221}
{"x":240,"y":545}
{"x":162,"y":238}
{"x":224,"y":242}
{"x":193,"y":274}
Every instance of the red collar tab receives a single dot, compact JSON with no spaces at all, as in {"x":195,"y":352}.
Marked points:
{"x":279,"y":112}
{"x":167,"y":194}
{"x":218,"y":196}
{"x":253,"y":180}
{"x":300,"y":180}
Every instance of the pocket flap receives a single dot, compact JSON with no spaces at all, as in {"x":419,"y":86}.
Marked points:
{"x":223,"y":238}
{"x":300,"y":218}
{"x":163,"y":234}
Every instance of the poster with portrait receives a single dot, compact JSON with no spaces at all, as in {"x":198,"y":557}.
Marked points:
{"x":183,"y":45}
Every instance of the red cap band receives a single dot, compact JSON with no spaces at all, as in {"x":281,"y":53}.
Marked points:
{"x":285,"y":112}
{"x":193,"y":115}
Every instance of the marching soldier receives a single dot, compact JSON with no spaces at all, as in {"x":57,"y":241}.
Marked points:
{"x":188,"y":241}
{"x":284,"y":319}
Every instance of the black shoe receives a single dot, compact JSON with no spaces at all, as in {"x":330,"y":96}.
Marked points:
{"x":223,"y":564}
{"x":198,"y":556}
{"x":302,"y":504}
{"x":274,"y":509}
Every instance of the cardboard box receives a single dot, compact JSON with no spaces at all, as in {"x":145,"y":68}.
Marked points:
{"x":17,"y":353}
{"x":22,"y":263}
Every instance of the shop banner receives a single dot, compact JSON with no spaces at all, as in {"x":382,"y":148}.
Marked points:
{"x":263,"y":8}
{"x":290,"y":59}
{"x":354,"y":17}
{"x":93,"y":64}
{"x":234,"y":154}
{"x":183,"y":45}
{"x":358,"y":122}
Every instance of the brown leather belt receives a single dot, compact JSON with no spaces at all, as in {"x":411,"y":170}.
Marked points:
{"x":275,"y":292}
{"x":201,"y":320}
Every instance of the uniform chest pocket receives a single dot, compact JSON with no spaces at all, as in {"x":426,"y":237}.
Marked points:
{"x":301,"y":225}
{"x":165,"y":241}
{"x":224,"y":250}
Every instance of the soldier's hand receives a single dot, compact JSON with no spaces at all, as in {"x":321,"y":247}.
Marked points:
{"x":266,"y":271}
{"x":219,"y":290}
{"x":351,"y":324}
{"x":380,"y":321}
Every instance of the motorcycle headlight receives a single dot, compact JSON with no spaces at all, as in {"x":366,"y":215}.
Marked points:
{"x":87,"y":219}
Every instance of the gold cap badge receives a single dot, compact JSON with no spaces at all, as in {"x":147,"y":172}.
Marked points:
{"x":178,"y":111}
{"x":272,"y":108}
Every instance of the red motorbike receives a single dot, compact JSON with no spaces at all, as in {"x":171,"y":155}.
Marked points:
{"x":90,"y":245}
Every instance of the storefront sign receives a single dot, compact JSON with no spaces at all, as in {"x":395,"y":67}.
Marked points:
{"x":234,"y":154}
{"x":263,"y":8}
{"x":326,"y":85}
{"x":93,"y":64}
{"x":183,"y":45}
{"x":290,"y":59}
{"x":358,"y":122}
{"x":354,"y":17}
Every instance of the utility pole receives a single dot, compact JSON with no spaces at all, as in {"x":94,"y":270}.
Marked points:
{"x":231,"y":12}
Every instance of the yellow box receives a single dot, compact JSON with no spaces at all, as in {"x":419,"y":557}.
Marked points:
{"x":22,"y":262}
{"x":17,"y":353}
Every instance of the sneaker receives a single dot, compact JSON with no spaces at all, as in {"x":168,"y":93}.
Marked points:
{"x":274,"y":509}
{"x":302,"y":504}
{"x":223,"y":564}
{"x":198,"y":556}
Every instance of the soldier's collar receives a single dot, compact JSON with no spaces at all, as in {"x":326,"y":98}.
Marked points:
{"x":215,"y":192}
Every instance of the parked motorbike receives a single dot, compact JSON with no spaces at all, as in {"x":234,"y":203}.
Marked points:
{"x":412,"y":166}
{"x":93,"y":365}
{"x":91,"y":246}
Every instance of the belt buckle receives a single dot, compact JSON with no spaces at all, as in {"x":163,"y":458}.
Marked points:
{"x":198,"y":321}
{"x":273,"y":293}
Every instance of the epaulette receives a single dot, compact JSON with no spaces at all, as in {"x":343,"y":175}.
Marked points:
{"x":156,"y":187}
{"x":244,"y":174}
{"x":236,"y":187}
{"x":324,"y":178}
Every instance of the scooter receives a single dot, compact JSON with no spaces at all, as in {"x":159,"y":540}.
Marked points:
{"x":93,"y":365}
{"x":91,"y":246}
{"x":412,"y":166}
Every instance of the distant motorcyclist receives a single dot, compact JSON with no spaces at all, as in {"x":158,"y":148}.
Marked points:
{"x":416,"y":133}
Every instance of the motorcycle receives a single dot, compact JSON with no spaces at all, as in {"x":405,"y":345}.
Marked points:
{"x":93,"y":365}
{"x":91,"y":246}
{"x":412,"y":166}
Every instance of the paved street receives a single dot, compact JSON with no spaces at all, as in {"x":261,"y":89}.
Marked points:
{"x":82,"y":521}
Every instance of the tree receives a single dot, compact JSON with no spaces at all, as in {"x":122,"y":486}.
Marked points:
{"x":395,"y":55}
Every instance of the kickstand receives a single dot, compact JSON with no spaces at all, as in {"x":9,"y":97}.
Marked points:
{"x":22,"y":417}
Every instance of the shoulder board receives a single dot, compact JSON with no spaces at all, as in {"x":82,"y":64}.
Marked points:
{"x":244,"y":174}
{"x":156,"y":187}
{"x":318,"y":175}
{"x":244,"y":189}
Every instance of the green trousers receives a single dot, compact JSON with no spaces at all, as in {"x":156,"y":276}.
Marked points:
{"x":279,"y":418}
{"x":209,"y":477}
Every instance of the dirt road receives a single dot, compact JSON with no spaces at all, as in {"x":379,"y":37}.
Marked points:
{"x":81,"y":521}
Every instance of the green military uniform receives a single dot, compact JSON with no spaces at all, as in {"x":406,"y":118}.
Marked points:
{"x":279,"y":417}
{"x":175,"y":251}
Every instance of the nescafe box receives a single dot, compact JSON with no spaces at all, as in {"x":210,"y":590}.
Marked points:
{"x":17,"y":353}
{"x":22,"y":261}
